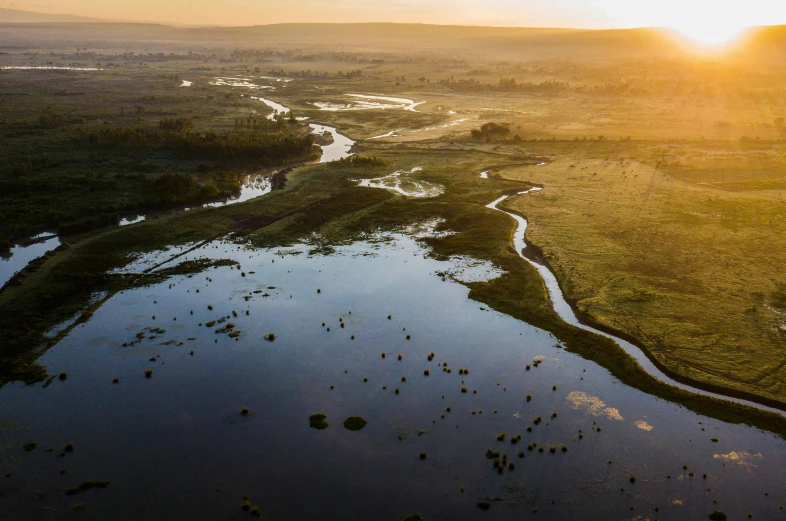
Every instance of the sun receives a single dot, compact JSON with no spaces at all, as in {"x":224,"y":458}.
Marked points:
{"x":711,"y":34}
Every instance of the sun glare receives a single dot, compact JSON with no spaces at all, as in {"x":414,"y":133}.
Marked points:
{"x":711,"y":33}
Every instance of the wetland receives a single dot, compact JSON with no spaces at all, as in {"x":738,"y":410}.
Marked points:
{"x":384,"y":292}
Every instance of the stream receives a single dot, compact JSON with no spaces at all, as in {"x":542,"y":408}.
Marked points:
{"x":567,"y":314}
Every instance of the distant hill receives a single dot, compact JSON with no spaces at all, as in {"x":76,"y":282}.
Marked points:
{"x":29,"y":17}
{"x":23,"y":29}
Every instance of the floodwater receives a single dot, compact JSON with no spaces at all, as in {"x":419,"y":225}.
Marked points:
{"x":399,"y":133}
{"x":402,"y":183}
{"x":239,"y":82}
{"x":339,"y":149}
{"x":254,"y":186}
{"x":367,"y":102}
{"x":20,"y":255}
{"x":48,"y":68}
{"x":176,"y":445}
{"x":392,"y":133}
{"x":278,"y":108}
{"x":131,"y":220}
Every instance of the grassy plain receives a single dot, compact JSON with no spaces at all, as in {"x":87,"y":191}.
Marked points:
{"x":691,"y":272}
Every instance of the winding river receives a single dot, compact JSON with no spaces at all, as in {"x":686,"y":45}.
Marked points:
{"x":567,"y":314}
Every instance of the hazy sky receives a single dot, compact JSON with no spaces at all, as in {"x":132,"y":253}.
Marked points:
{"x":724,"y":15}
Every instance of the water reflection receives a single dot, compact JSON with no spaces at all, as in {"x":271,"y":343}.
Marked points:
{"x":175,"y":445}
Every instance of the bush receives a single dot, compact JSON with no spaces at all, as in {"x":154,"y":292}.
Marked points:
{"x":490,"y":131}
{"x":359,"y":161}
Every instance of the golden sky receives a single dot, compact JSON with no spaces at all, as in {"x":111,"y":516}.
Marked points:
{"x":706,"y":19}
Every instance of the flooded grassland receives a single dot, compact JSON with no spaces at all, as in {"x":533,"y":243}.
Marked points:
{"x":194,"y":393}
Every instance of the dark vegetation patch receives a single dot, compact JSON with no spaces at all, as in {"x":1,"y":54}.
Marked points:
{"x":355,"y":423}
{"x":87,"y":485}
{"x":318,"y":421}
{"x":75,"y":164}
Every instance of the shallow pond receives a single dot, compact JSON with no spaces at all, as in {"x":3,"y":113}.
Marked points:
{"x":367,"y":102}
{"x":401,"y":182}
{"x":176,"y":445}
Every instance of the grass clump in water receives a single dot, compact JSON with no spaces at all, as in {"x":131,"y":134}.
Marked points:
{"x":30,"y":446}
{"x":423,"y":454}
{"x":355,"y":423}
{"x":87,"y":485}
{"x":318,"y":421}
{"x":501,"y":436}
{"x":148,"y":373}
{"x":718,"y":515}
{"x":414,"y":517}
{"x":270,"y":337}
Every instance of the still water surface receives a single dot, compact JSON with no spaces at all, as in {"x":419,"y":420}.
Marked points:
{"x":176,"y":446}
